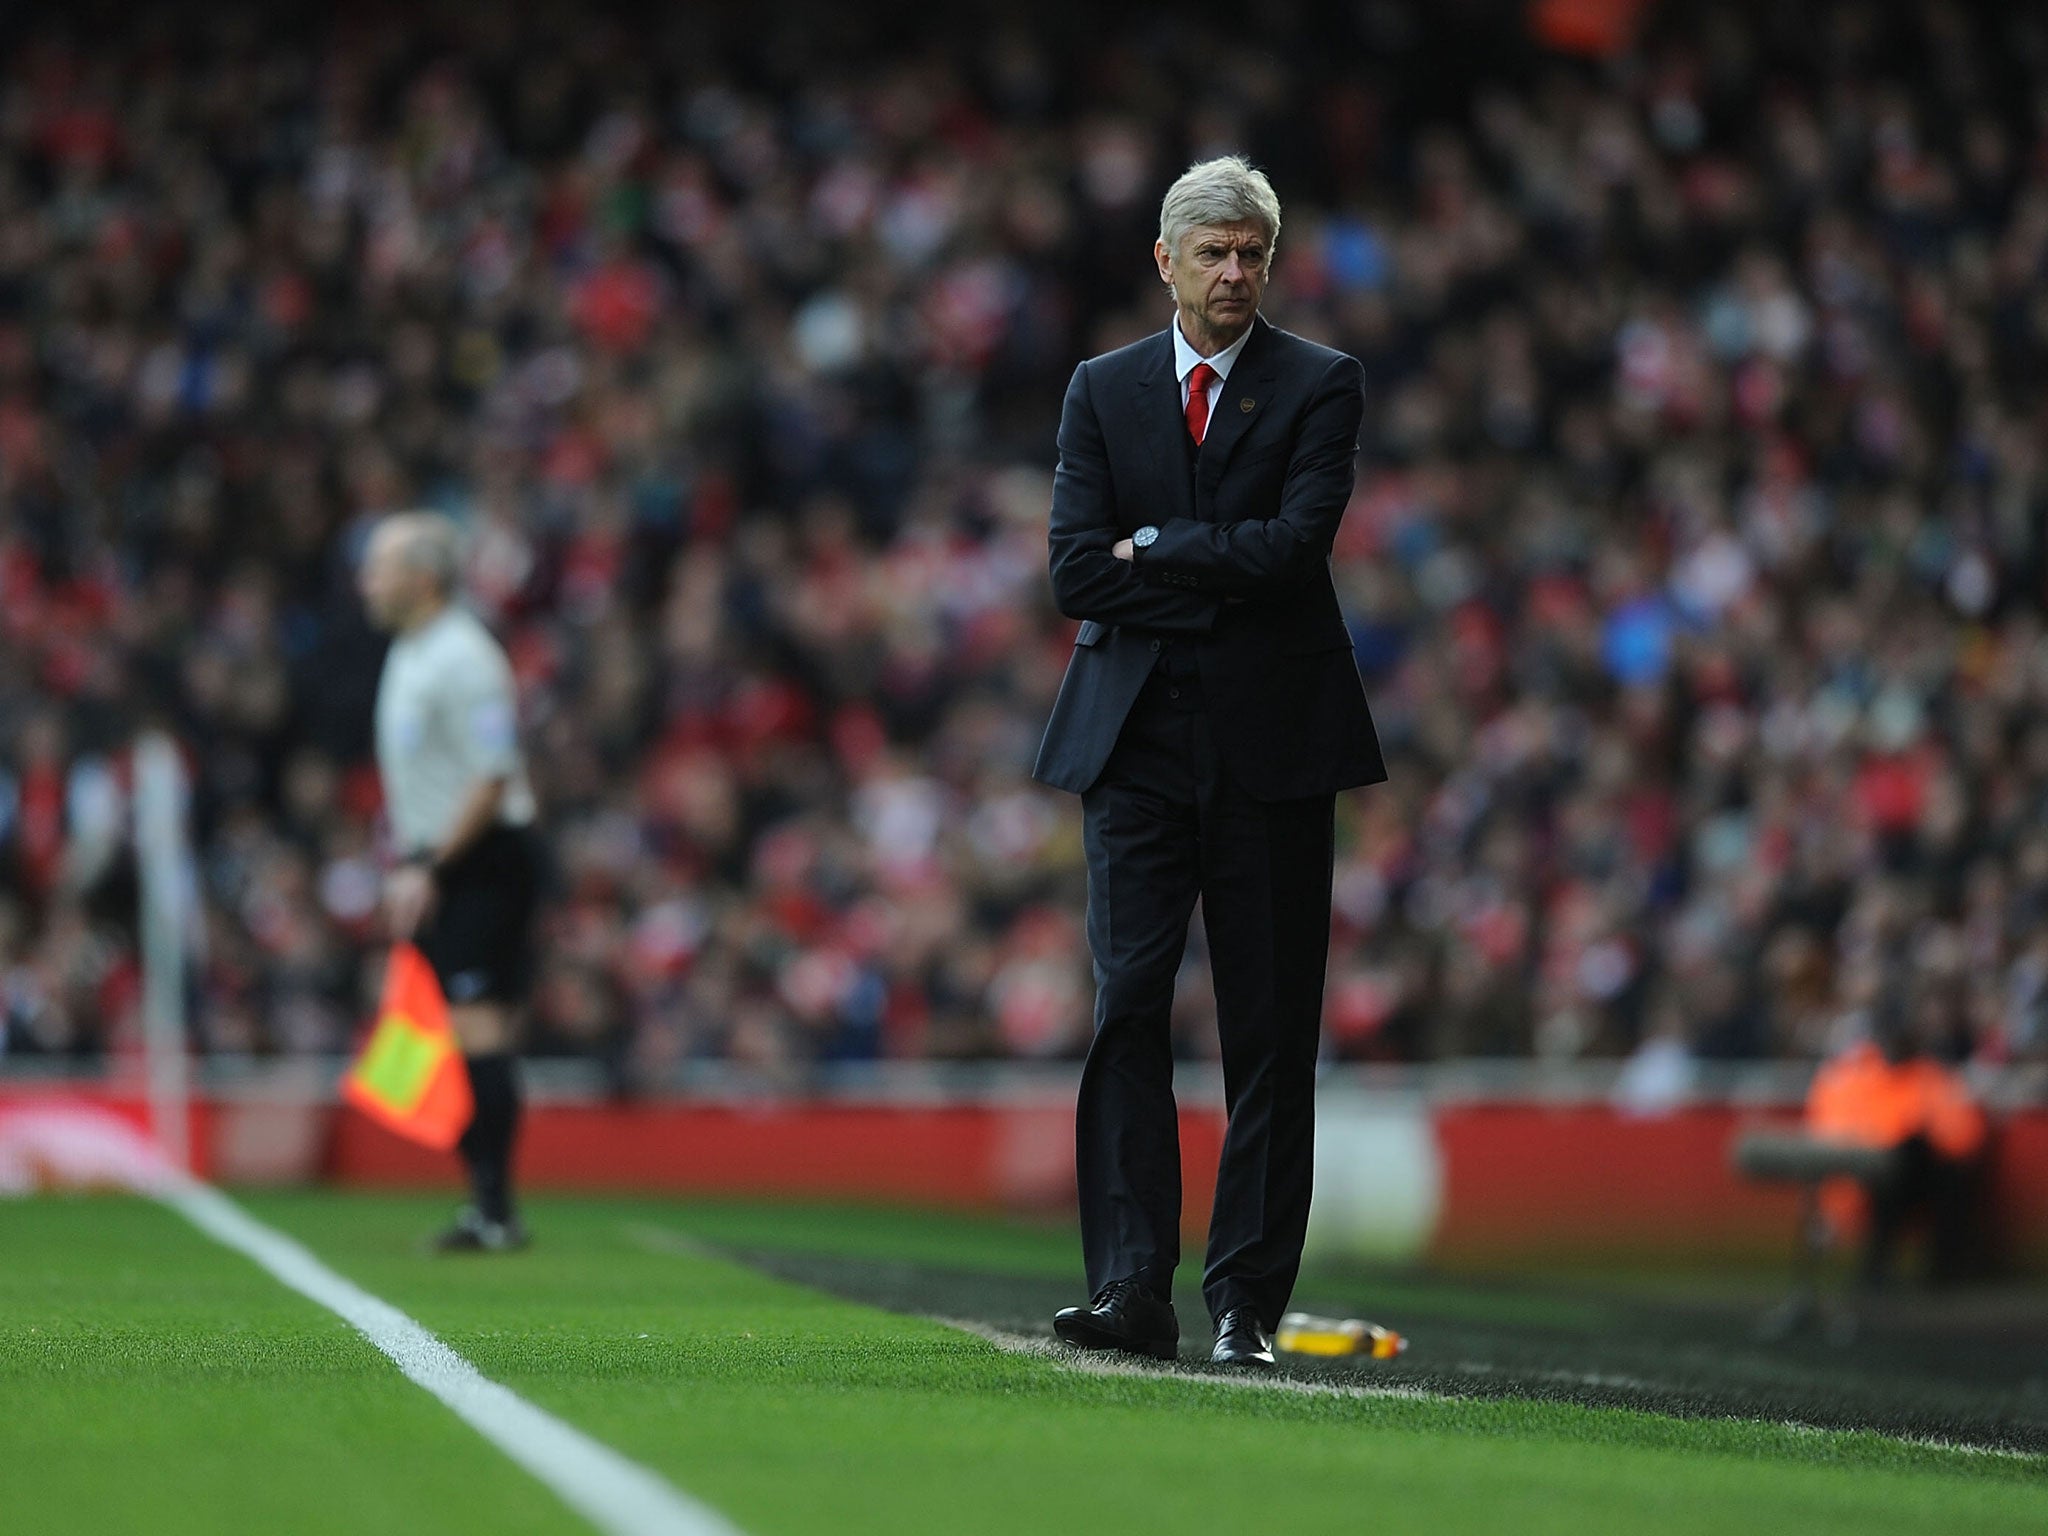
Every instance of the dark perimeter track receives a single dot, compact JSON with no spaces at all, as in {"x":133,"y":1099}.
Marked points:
{"x":1968,"y":1369}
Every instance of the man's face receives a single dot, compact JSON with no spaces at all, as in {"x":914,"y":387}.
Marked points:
{"x":1218,"y":276}
{"x":389,"y":585}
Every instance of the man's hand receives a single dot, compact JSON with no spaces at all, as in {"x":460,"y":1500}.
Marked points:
{"x":1124,"y":549}
{"x":408,"y":898}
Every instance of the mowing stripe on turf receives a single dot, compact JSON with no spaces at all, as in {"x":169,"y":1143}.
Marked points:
{"x":618,"y":1496}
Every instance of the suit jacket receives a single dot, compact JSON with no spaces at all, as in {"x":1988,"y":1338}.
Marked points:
{"x":1240,"y":572}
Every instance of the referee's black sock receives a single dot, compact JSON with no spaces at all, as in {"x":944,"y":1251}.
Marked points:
{"x":487,"y":1144}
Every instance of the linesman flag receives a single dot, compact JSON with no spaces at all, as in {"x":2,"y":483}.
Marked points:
{"x":409,"y":1076}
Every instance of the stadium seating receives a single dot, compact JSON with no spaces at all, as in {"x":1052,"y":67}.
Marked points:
{"x":1696,"y":570}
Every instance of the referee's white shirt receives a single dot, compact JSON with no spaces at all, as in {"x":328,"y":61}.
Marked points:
{"x":446,"y":717}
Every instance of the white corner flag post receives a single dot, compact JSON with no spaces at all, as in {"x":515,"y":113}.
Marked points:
{"x":160,"y":854}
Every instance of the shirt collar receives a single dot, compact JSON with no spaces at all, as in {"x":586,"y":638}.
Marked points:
{"x":439,"y":621}
{"x":1185,"y":356}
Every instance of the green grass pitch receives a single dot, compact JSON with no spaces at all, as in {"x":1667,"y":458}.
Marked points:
{"x":153,"y":1382}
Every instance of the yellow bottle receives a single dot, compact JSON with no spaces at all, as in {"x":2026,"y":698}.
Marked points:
{"x":1302,"y":1333}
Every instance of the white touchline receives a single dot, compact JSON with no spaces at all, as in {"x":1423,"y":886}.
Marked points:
{"x":618,"y":1496}
{"x":1108,"y":1364}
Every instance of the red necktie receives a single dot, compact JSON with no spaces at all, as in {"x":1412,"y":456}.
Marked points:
{"x":1198,"y":400}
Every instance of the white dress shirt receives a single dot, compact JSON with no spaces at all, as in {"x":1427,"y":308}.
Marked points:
{"x":1185,"y":357}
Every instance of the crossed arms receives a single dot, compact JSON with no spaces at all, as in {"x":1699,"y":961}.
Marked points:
{"x":1177,"y":583}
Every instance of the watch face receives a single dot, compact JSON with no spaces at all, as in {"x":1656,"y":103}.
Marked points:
{"x":1145,"y":537}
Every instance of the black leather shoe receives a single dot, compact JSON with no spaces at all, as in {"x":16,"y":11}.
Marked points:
{"x":1125,"y":1316}
{"x":1241,"y":1341}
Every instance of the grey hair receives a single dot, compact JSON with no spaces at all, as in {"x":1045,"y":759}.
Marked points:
{"x":1226,"y":190}
{"x":428,"y":542}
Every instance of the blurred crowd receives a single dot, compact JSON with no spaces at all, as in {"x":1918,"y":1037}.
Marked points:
{"x":1697,"y":565}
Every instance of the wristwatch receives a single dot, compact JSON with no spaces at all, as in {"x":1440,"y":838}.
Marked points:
{"x":1145,"y":537}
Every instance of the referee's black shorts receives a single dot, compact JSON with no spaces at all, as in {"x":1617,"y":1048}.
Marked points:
{"x":479,"y":936}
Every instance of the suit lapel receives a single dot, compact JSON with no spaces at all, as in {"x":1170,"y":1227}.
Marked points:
{"x":1251,"y":380}
{"x":1165,"y":429}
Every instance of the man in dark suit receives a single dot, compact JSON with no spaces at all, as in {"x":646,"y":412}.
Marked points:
{"x":1210,"y":714}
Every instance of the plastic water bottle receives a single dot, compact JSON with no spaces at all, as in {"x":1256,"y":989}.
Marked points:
{"x":1303,"y":1333}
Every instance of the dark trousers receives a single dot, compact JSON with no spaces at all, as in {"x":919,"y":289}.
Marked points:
{"x":1923,"y":1183}
{"x":1164,"y":825}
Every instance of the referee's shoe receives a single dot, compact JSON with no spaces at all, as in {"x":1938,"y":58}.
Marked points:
{"x":473,"y":1232}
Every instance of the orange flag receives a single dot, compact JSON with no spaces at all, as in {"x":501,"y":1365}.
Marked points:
{"x":409,"y":1076}
{"x":1597,"y":29}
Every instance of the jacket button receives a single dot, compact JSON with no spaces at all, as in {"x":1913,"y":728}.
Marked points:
{"x":1155,"y":645}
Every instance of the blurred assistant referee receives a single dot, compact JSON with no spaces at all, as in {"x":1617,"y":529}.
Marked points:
{"x":462,"y":815}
